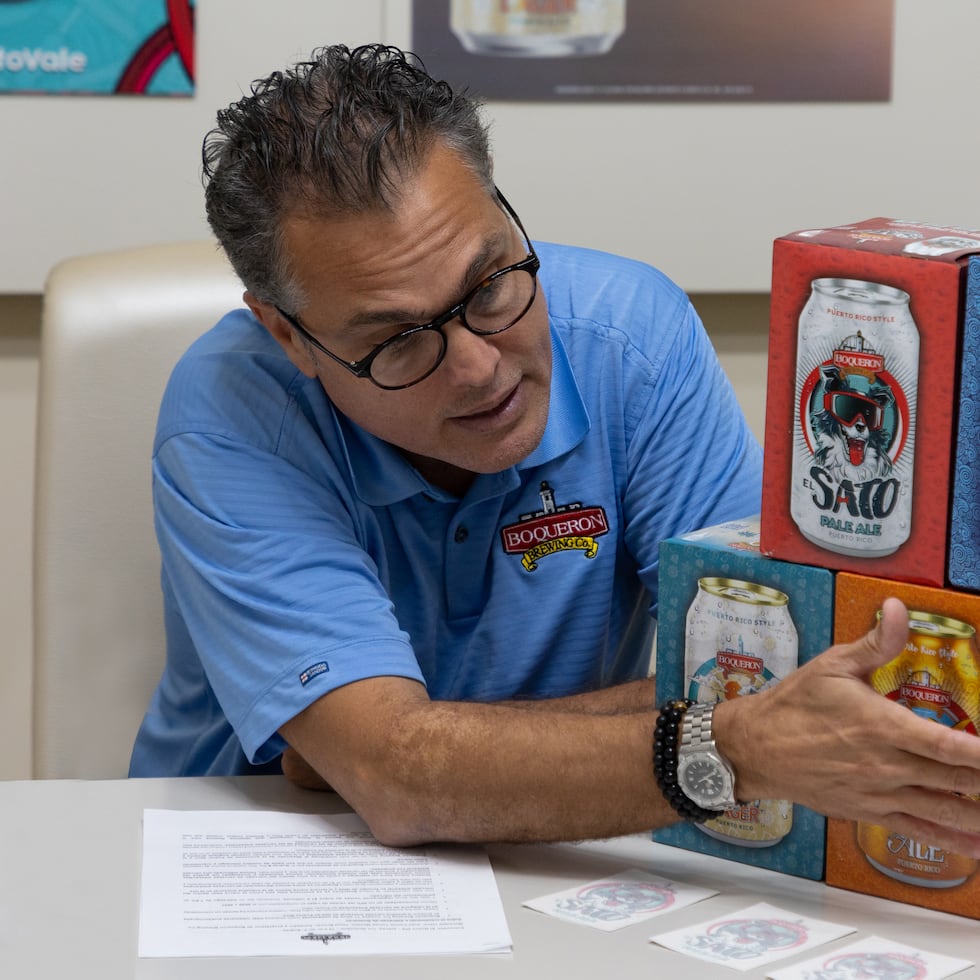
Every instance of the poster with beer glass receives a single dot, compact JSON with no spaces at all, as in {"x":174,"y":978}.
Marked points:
{"x":637,"y":50}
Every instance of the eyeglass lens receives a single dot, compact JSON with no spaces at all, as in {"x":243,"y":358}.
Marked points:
{"x":492,"y":307}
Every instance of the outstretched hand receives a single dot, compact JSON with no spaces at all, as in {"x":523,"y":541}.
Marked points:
{"x":824,"y":738}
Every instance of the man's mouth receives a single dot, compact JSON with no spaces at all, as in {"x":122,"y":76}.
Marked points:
{"x":492,"y":410}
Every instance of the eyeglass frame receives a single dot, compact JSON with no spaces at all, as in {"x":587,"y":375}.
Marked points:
{"x":362,"y":368}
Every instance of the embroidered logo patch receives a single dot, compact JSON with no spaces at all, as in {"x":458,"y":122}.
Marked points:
{"x":554,"y":528}
{"x":321,"y":668}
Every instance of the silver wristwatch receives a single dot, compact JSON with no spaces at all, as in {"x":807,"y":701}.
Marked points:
{"x":704,"y":775}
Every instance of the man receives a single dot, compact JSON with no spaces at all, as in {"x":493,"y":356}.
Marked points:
{"x":410,"y":505}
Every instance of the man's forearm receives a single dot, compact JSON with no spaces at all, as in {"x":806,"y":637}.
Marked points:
{"x":629,"y":698}
{"x":418,"y":770}
{"x":482,"y":772}
{"x":621,"y":699}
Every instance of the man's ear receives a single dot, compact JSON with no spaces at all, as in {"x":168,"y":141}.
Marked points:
{"x":295,"y":347}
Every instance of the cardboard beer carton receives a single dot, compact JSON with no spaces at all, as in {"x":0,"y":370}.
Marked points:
{"x":730,"y":622}
{"x":964,"y":529}
{"x":938,"y":677}
{"x":863,"y":362}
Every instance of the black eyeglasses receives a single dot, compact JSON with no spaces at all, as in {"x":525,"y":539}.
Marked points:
{"x":490,"y":307}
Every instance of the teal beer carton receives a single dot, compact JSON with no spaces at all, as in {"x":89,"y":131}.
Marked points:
{"x":732,"y":622}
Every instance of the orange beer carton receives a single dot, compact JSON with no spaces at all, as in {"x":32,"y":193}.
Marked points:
{"x":938,"y":677}
{"x":861,"y":399}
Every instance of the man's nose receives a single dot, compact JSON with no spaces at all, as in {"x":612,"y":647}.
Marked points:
{"x":471,"y":358}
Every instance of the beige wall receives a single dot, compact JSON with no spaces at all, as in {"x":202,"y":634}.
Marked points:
{"x":738,"y":325}
{"x":699,"y":190}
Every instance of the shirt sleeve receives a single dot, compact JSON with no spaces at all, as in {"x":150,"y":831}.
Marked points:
{"x":269,"y":570}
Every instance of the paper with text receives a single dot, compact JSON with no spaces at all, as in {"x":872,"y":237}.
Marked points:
{"x":247,"y":883}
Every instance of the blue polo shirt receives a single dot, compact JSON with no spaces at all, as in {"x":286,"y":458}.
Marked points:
{"x":300,"y":553}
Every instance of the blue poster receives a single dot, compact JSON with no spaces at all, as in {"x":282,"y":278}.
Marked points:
{"x":107,"y":47}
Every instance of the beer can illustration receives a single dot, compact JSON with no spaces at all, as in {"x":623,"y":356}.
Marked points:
{"x":942,"y":245}
{"x":538,"y":28}
{"x":739,"y":640}
{"x":857,"y":366}
{"x":938,"y":677}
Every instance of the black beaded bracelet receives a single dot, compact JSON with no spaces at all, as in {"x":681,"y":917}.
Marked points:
{"x":666,"y":738}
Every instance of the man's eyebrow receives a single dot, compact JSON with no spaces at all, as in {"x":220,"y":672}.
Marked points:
{"x":492,"y":245}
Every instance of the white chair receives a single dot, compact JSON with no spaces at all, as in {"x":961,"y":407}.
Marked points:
{"x":113,"y":326}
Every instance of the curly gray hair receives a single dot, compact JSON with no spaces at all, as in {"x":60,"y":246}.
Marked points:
{"x":337,"y":133}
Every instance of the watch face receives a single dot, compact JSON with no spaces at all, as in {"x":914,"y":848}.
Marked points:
{"x":704,"y":780}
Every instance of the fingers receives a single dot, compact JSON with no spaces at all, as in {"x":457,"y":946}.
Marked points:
{"x":951,"y":823}
{"x":932,"y":797}
{"x":918,"y":779}
{"x":942,"y":758}
{"x":881,"y":644}
{"x":892,"y":631}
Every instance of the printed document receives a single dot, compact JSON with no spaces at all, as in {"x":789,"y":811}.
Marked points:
{"x":248,"y":883}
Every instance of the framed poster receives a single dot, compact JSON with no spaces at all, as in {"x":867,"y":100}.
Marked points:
{"x":665,"y":50}
{"x":133,"y":47}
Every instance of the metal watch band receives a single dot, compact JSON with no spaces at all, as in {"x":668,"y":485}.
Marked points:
{"x":696,"y":727}
{"x":697,"y":737}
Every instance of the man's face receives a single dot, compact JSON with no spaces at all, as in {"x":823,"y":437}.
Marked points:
{"x":368,"y":276}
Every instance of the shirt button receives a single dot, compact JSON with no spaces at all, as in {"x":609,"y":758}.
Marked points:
{"x":461,"y":534}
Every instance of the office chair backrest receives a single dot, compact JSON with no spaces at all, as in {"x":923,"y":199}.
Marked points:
{"x":113,"y":325}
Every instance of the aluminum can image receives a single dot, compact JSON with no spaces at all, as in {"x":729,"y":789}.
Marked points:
{"x":857,"y":366}
{"x":942,"y":245}
{"x":740,"y":639}
{"x":938,"y":677}
{"x":538,"y":28}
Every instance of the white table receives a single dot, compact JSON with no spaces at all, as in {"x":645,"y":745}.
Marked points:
{"x":70,"y":873}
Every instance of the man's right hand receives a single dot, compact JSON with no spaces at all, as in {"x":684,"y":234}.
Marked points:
{"x":823,"y":737}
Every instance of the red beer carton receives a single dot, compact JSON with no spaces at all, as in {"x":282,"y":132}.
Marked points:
{"x":938,"y":677}
{"x":864,"y":326}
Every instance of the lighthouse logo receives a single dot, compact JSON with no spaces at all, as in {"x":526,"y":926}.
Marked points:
{"x":554,"y":528}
